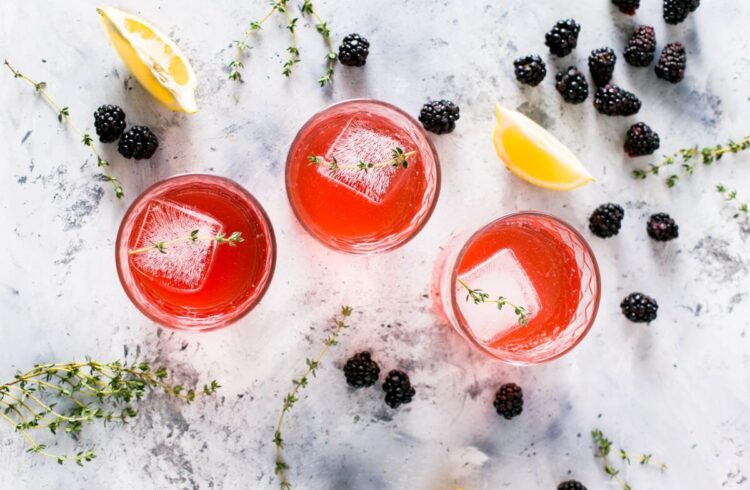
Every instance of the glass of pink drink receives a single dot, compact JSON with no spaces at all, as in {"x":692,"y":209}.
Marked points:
{"x":533,"y":261}
{"x":195,"y":252}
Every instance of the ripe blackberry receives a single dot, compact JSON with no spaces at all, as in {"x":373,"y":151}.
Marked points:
{"x":572,"y":85}
{"x":563,"y":38}
{"x":439,"y":116}
{"x":509,"y":400}
{"x":398,"y":389}
{"x":640,"y":49}
{"x":672,"y":62}
{"x":641,"y":140}
{"x":138,"y":142}
{"x":612,"y":100}
{"x":605,"y":221}
{"x":361,"y":371}
{"x":639,"y":308}
{"x":109,"y":121}
{"x":662,"y":228}
{"x":571,"y":485}
{"x":676,"y":11}
{"x":530,"y":70}
{"x":627,"y":6}
{"x":602,"y":65}
{"x":354,"y":50}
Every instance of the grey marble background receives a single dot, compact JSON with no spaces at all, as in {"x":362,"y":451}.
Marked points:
{"x":678,"y":388}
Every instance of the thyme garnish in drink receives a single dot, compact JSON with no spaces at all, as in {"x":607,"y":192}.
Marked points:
{"x":194,"y":237}
{"x":478,"y":297}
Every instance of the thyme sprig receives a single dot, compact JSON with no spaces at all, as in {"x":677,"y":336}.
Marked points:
{"x":65,"y":397}
{"x":298,"y":384}
{"x":731,"y":196}
{"x":399,"y":159}
{"x":63,"y":115}
{"x":322,"y":27}
{"x":602,"y":450}
{"x":689,"y":157}
{"x":194,"y":236}
{"x":478,"y":297}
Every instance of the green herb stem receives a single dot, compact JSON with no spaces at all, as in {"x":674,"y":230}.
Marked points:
{"x":236,"y":65}
{"x":322,"y":27}
{"x":603,"y":448}
{"x":63,"y":115}
{"x":398,"y":159}
{"x":731,"y":197}
{"x":220,"y":239}
{"x":478,"y":296}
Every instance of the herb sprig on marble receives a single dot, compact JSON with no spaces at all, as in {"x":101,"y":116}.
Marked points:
{"x":63,"y":116}
{"x":66,"y":397}
{"x":603,"y":448}
{"x":398,"y":159}
{"x":298,"y":384}
{"x":688,"y":158}
{"x":478,"y":297}
{"x":194,"y":237}
{"x":282,"y":7}
{"x":731,"y":197}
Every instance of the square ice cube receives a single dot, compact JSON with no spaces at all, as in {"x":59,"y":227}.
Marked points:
{"x":500,"y":275}
{"x":357,"y":142}
{"x":184,"y":264}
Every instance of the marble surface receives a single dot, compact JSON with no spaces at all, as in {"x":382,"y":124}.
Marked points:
{"x":678,"y":387}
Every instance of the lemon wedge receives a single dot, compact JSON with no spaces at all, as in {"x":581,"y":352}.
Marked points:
{"x":154,"y":59}
{"x":533,"y":154}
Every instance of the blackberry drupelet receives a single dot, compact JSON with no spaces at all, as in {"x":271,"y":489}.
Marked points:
{"x":571,"y":485}
{"x":640,"y":49}
{"x":662,"y":228}
{"x":612,"y":100}
{"x":602,"y":65}
{"x":398,"y":389}
{"x":439,"y":116}
{"x":530,"y":70}
{"x":572,"y":85}
{"x":138,"y":142}
{"x":639,"y":308}
{"x":353,"y":50}
{"x":605,"y":221}
{"x":109,"y":121}
{"x":563,"y":38}
{"x":509,"y":400}
{"x":627,"y":6}
{"x":361,"y":371}
{"x":676,"y":11}
{"x":672,"y":63}
{"x":641,"y":140}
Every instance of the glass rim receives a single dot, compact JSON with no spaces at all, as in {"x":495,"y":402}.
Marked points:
{"x":412,"y":232}
{"x":173,"y":322}
{"x":463,"y":324}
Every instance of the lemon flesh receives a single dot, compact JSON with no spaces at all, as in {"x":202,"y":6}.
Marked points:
{"x":533,"y":154}
{"x":153,"y":59}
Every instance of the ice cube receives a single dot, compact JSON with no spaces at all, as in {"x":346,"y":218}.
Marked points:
{"x":185,"y":264}
{"x":357,"y":142}
{"x":500,"y":275}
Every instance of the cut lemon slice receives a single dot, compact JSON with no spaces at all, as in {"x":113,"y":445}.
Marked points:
{"x":154,"y":59}
{"x":533,"y":154}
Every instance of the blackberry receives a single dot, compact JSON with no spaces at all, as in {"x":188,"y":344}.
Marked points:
{"x":530,"y":70}
{"x":602,"y":65}
{"x":138,"y":142}
{"x":676,"y":11}
{"x":662,"y":228}
{"x":109,"y":121}
{"x":639,"y":308}
{"x":354,"y":50}
{"x":612,"y":100}
{"x":627,"y":6}
{"x":398,"y":389}
{"x":672,"y":62}
{"x":361,"y":371}
{"x":563,"y":38}
{"x":641,"y":140}
{"x":605,"y":221}
{"x":572,"y":85}
{"x":509,"y":400}
{"x":571,"y":485}
{"x":640,"y":49}
{"x":439,"y":116}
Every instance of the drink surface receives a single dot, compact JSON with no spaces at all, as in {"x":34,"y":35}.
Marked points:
{"x":353,"y":209}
